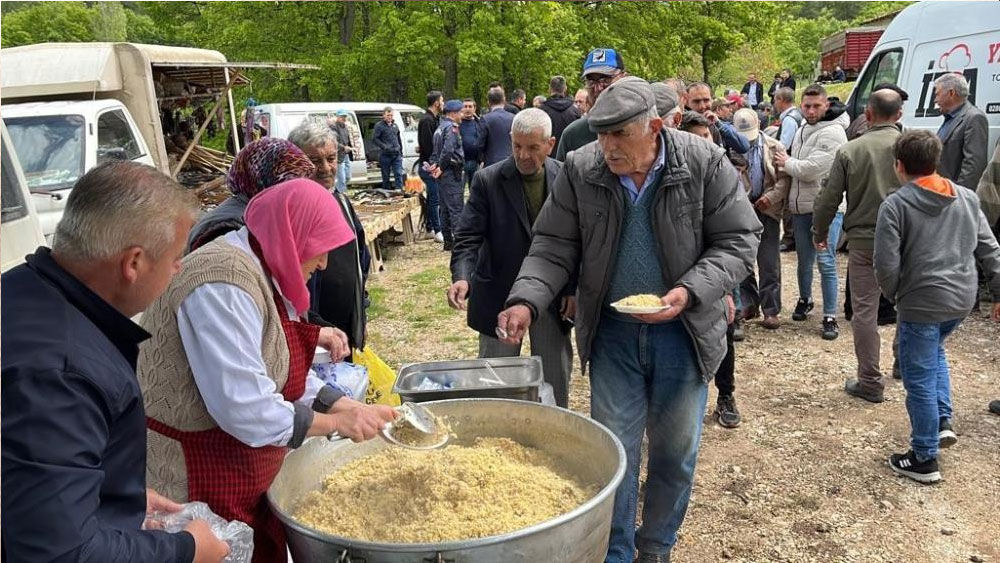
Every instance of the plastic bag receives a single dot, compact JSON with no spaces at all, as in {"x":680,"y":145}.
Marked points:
{"x":546,"y":395}
{"x":350,"y":379}
{"x":238,"y":535}
{"x":381,"y":378}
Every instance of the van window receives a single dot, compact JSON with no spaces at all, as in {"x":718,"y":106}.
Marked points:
{"x":13,"y":203}
{"x":115,"y":140}
{"x":883,"y":68}
{"x":411,"y":120}
{"x":50,"y":148}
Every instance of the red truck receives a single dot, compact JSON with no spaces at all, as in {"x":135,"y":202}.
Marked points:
{"x":849,"y":49}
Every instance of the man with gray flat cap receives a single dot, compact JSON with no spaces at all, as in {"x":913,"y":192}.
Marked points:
{"x":667,"y":104}
{"x":644,"y":210}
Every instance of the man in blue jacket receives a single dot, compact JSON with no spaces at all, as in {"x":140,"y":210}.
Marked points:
{"x":494,"y":144}
{"x":723,"y":133}
{"x":448,"y":161}
{"x":74,"y":426}
{"x":389,"y":142}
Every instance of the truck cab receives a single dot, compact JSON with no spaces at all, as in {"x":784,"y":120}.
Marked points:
{"x":56,"y":142}
{"x":20,"y":233}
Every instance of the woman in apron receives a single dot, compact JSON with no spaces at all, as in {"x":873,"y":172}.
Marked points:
{"x":226,"y":375}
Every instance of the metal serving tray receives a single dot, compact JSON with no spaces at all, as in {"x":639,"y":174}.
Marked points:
{"x":499,"y":378}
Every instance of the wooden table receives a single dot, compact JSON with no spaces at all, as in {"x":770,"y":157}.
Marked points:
{"x":384,"y":222}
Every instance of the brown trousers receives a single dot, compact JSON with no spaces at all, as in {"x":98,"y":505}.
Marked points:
{"x":864,"y":300}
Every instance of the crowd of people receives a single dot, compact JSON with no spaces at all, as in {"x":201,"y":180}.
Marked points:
{"x":630,"y":187}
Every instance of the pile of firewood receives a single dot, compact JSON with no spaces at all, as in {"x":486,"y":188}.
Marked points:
{"x":208,"y":160}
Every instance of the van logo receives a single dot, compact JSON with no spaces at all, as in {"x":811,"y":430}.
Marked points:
{"x":926,"y":107}
{"x":956,"y":59}
{"x":995,"y":53}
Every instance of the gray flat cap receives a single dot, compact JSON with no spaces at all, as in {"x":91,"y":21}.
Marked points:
{"x":620,"y":103}
{"x":666,"y":98}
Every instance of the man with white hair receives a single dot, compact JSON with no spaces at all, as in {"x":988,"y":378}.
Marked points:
{"x":494,"y":236}
{"x":338,"y":295}
{"x":74,"y":426}
{"x":645,"y":210}
{"x":964,"y":132}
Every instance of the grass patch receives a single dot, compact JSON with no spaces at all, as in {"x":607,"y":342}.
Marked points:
{"x":377,"y":297}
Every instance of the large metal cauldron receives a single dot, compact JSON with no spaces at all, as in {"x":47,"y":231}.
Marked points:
{"x":583,"y":447}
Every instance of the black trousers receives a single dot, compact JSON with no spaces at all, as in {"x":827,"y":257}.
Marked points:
{"x":725,"y":376}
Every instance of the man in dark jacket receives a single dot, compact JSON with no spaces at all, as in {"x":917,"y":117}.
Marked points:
{"x":389,"y":142}
{"x":787,"y":80}
{"x":492,"y":240}
{"x":448,"y":163}
{"x":494,"y":145}
{"x":425,"y":146}
{"x":74,"y":426}
{"x":560,"y":108}
{"x":754,"y":91}
{"x":645,"y":210}
{"x":344,"y":148}
{"x":337,"y":293}
{"x":471,"y":129}
{"x":723,"y":133}
{"x":964,"y":133}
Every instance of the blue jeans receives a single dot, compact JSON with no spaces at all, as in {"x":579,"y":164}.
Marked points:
{"x":826,"y":260}
{"x":343,"y":173}
{"x":926,"y":379}
{"x":431,"y":189}
{"x":644,"y":378}
{"x":393,"y":163}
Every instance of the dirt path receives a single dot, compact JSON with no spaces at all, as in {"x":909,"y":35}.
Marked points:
{"x":805,"y":477}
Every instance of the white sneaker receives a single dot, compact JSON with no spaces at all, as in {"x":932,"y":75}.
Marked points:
{"x":438,"y":237}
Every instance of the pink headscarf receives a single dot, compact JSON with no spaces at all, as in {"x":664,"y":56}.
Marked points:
{"x":294,"y":221}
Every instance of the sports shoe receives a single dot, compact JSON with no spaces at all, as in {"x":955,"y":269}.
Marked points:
{"x":787,"y":247}
{"x":726,"y":413}
{"x":438,"y":237}
{"x":802,"y":309}
{"x":946,"y":434}
{"x":771,"y":322}
{"x":921,"y":471}
{"x":653,"y":557}
{"x":739,"y":335}
{"x":854,"y":389}
{"x":830,"y":330}
{"x":995,"y":406}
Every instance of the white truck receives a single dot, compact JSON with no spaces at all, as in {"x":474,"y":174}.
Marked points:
{"x":926,"y":40}
{"x":71,"y":106}
{"x":20,"y":233}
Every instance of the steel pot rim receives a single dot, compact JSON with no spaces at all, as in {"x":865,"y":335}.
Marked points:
{"x":577,"y":512}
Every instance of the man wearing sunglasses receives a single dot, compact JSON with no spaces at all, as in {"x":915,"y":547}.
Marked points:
{"x":601,"y":68}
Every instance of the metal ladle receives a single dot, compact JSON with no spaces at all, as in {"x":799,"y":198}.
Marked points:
{"x":419,"y":418}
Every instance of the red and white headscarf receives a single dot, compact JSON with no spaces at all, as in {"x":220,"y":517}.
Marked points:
{"x":293,"y":222}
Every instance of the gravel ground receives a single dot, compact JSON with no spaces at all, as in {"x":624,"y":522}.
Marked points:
{"x":805,"y":477}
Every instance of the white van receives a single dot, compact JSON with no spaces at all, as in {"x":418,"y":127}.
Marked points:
{"x":362,"y":118}
{"x":20,"y":233}
{"x":926,"y":40}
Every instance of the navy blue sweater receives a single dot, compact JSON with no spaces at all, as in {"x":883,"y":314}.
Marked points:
{"x":74,"y":426}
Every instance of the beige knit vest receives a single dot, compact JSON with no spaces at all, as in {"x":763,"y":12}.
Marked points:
{"x":168,"y":387}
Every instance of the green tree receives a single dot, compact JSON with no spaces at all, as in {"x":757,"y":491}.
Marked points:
{"x":47,"y":21}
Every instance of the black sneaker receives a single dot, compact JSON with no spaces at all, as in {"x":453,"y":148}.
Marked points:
{"x":830,"y":330}
{"x":946,"y":434}
{"x":802,"y":309}
{"x":653,"y":557}
{"x":995,"y":406}
{"x":739,"y":335}
{"x":921,"y":471}
{"x":726,"y":413}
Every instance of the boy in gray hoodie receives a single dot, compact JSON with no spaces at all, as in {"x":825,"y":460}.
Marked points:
{"x":928,"y":237}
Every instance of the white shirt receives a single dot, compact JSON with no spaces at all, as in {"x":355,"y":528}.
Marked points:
{"x":222,"y":329}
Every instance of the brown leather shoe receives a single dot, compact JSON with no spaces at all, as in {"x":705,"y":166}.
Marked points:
{"x":771,"y":322}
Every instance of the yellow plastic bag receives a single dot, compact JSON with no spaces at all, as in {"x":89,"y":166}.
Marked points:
{"x":381,"y":378}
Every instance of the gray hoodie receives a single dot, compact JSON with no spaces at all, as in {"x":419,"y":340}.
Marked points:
{"x":926,"y":247}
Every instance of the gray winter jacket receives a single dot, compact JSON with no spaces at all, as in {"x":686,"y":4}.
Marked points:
{"x":926,"y":248}
{"x":706,"y":229}
{"x":811,"y":158}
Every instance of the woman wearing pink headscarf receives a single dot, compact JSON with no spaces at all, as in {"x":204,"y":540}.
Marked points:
{"x":226,"y":375}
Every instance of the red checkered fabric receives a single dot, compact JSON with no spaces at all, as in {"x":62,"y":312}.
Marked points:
{"x":233,"y":478}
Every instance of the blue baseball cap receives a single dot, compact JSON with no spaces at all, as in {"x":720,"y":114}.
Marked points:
{"x":602,"y":61}
{"x":453,"y":105}
{"x":342,"y":112}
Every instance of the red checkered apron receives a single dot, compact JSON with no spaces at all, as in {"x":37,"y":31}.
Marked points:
{"x":233,"y":478}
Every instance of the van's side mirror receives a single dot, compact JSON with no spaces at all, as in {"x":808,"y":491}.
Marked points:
{"x":112,"y":154}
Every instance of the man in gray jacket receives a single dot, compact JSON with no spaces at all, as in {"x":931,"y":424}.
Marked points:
{"x":644,"y":210}
{"x":964,"y":132}
{"x":928,"y":238}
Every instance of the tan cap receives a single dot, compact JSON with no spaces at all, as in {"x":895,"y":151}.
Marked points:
{"x":747,"y":123}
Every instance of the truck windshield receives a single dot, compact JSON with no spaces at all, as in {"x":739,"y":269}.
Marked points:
{"x":50,"y":148}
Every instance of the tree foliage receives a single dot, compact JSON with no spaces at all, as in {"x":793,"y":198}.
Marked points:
{"x":397,"y":51}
